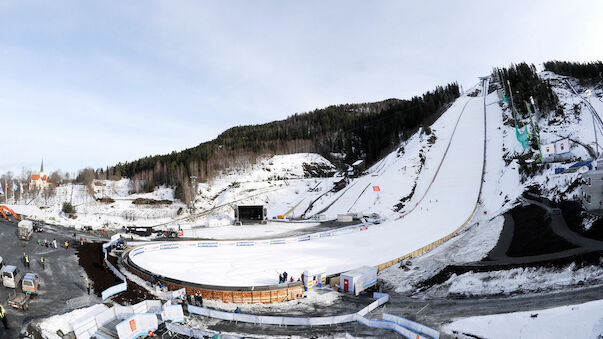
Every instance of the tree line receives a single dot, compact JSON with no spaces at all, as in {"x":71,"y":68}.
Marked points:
{"x":526,"y":83}
{"x":341,"y":133}
{"x":587,"y":71}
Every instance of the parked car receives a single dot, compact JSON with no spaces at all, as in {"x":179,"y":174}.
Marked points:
{"x":37,"y":227}
{"x":30,"y":283}
{"x":11,"y":276}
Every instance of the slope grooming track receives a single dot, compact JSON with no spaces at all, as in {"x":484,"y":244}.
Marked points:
{"x":448,"y":202}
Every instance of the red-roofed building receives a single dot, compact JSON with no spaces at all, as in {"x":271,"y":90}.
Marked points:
{"x":39,"y":181}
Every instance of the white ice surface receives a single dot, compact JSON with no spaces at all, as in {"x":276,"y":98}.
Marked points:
{"x":447,"y":205}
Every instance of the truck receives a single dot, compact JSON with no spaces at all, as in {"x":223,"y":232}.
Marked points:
{"x":11,"y":276}
{"x":18,"y":300}
{"x":30,"y":283}
{"x":25,"y":229}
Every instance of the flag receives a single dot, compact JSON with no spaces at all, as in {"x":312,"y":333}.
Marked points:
{"x":376,"y":188}
{"x":21,"y":186}
{"x":15,"y":187}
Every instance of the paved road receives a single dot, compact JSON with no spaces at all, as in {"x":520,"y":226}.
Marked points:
{"x":60,"y":281}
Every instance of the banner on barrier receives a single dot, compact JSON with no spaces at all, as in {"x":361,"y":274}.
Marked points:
{"x":179,"y":294}
{"x":114,"y":290}
{"x":172,"y":313}
{"x":137,"y":325}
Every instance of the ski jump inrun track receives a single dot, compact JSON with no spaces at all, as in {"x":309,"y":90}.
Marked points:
{"x":445,"y":207}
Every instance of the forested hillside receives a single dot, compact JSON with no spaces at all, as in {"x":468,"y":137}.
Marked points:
{"x":526,"y":83}
{"x":588,"y":71}
{"x":342,"y":133}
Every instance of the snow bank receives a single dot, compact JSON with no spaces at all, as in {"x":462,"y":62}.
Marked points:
{"x":575,"y":321}
{"x":62,"y":322}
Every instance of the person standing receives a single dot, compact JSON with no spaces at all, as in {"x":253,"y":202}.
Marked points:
{"x":3,"y":316}
{"x":42,"y":261}
{"x":66,"y":244}
{"x":87,"y":285}
{"x":27,"y":261}
{"x":285,"y":276}
{"x":54,"y":243}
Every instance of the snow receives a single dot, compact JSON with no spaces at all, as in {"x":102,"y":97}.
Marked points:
{"x":62,"y":322}
{"x":318,"y":298}
{"x":448,"y":204}
{"x":517,"y":280}
{"x":471,"y":245}
{"x":246,"y":231}
{"x":574,"y":321}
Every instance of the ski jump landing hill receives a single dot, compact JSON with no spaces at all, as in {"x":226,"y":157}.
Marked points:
{"x":247,"y":271}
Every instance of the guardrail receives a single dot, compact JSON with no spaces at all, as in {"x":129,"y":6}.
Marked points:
{"x":402,"y":326}
{"x":119,"y":287}
{"x":87,"y":326}
{"x":294,"y":321}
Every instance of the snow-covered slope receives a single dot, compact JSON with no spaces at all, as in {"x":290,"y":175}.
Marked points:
{"x":449,"y":202}
{"x":574,"y":321}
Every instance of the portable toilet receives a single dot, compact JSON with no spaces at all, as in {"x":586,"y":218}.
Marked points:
{"x":313,"y":277}
{"x":358,"y":280}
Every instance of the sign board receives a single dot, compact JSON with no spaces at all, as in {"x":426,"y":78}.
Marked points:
{"x":376,"y":188}
{"x":137,"y":325}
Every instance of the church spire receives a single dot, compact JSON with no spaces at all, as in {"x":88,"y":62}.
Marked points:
{"x":42,"y":166}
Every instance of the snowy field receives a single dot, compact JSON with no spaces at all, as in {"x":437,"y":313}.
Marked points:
{"x":448,"y":203}
{"x":575,"y":321}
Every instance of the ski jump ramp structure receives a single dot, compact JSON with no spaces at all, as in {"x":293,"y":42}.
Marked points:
{"x":233,"y":270}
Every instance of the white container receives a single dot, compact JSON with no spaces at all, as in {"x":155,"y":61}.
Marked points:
{"x":358,"y":280}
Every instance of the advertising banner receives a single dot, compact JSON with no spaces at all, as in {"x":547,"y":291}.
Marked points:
{"x":179,"y":294}
{"x":172,"y":313}
{"x":137,"y":325}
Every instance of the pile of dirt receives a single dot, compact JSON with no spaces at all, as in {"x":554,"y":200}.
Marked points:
{"x":146,"y":201}
{"x":533,"y":234}
{"x":91,"y":259}
{"x":106,"y":200}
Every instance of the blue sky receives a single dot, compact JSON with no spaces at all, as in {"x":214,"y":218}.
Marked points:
{"x":94,"y":83}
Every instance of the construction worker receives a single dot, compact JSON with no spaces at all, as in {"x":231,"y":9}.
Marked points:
{"x":27,"y":261}
{"x":66,"y":244}
{"x":42,"y":261}
{"x":3,"y":316}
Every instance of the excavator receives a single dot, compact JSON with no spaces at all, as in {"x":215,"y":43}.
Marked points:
{"x":8,"y":210}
